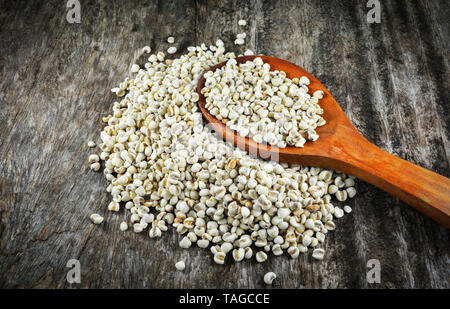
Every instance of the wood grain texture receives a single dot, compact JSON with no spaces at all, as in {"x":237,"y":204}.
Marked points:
{"x":391,"y":79}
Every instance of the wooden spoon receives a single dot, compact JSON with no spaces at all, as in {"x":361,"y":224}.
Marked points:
{"x":341,"y":147}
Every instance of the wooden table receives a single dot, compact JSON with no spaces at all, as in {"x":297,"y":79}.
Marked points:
{"x":391,"y":79}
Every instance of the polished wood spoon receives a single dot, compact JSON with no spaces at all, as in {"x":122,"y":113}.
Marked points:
{"x":341,"y":147}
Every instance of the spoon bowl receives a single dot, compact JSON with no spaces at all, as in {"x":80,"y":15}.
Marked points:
{"x":341,"y":147}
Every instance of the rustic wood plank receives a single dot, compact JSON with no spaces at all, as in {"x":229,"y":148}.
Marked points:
{"x":391,"y":79}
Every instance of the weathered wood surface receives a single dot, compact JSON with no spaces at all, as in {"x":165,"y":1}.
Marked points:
{"x":390,"y":78}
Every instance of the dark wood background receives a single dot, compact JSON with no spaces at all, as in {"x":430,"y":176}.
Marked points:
{"x":392,"y":79}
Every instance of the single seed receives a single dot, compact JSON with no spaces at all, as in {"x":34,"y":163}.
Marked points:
{"x":93,"y":158}
{"x":242,"y":22}
{"x":318,"y":254}
{"x":180,"y":265}
{"x":185,"y":243}
{"x":146,"y":49}
{"x":238,"y":254}
{"x":137,"y":227}
{"x":351,"y":191}
{"x":172,"y":50}
{"x":219,"y":257}
{"x":261,"y":256}
{"x":135,"y":68}
{"x":96,"y":218}
{"x":239,"y":41}
{"x":95,"y":166}
{"x":338,"y":212}
{"x":123,"y":226}
{"x":269,"y":278}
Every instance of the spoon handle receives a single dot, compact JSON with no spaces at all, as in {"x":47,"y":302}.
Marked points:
{"x":421,"y":188}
